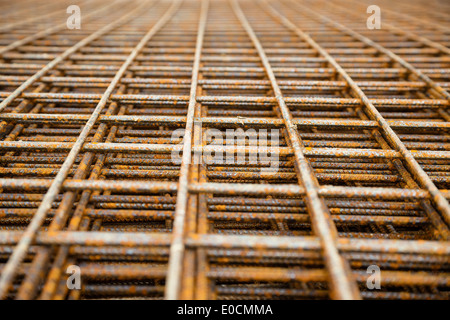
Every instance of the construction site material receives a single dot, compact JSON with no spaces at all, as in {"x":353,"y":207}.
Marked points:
{"x":130,"y":150}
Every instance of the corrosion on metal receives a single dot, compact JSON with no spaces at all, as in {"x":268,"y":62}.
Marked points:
{"x":88,"y":129}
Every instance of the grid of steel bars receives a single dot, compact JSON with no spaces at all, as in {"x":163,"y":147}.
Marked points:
{"x":89,"y":129}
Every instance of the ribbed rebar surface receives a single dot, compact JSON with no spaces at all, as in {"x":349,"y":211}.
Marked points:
{"x":103,"y":143}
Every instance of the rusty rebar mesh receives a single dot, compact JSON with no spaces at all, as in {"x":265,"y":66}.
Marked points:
{"x":88,"y":178}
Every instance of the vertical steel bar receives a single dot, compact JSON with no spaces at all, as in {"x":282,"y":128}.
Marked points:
{"x":177,"y":246}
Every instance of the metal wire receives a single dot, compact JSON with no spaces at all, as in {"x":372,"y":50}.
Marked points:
{"x":88,"y":177}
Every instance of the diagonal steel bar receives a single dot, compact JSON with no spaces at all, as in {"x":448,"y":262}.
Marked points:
{"x":438,"y":199}
{"x":341,"y":281}
{"x":380,"y":48}
{"x":24,"y":86}
{"x":16,"y":258}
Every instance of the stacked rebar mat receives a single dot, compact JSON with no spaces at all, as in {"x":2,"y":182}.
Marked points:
{"x":109,"y":170}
